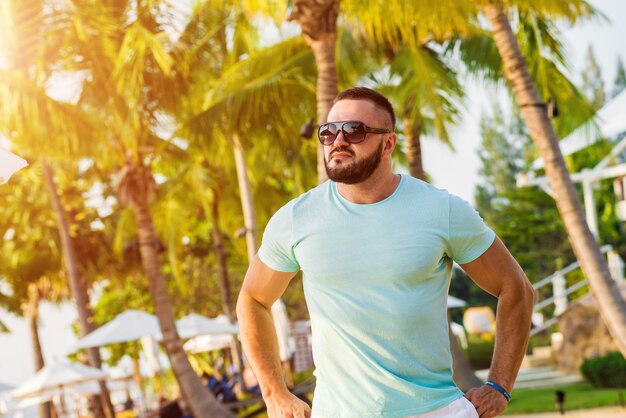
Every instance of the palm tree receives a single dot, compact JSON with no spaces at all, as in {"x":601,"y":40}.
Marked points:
{"x":611,"y":304}
{"x":30,"y":261}
{"x":26,"y":102}
{"x":77,"y":282}
{"x":413,"y":23}
{"x":318,"y":21}
{"x":250,"y":103}
{"x":124,"y":94}
{"x":428,"y":98}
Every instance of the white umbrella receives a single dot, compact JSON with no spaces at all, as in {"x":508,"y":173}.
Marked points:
{"x":88,"y":388}
{"x":130,"y":325}
{"x":193,"y":325}
{"x":9,"y":164}
{"x":455,"y":302}
{"x":57,"y":377}
{"x":203,"y":343}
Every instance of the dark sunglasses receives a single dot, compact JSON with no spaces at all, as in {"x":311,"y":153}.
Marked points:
{"x":353,"y":131}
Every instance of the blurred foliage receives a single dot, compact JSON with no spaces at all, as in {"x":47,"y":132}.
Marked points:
{"x":479,"y":351}
{"x":526,"y":218}
{"x":607,"y":371}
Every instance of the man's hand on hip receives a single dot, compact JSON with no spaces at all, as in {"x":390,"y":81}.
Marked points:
{"x":487,"y":401}
{"x":287,"y":405}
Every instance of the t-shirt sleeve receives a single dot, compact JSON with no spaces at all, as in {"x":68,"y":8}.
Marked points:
{"x":468,"y":235}
{"x":276,"y":248}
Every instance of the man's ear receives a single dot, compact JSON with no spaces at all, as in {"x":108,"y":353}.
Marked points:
{"x":390,"y":142}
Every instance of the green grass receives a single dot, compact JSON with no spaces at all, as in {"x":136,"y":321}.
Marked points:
{"x":577,"y":396}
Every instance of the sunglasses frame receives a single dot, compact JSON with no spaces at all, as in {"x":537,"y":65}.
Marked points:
{"x":340,"y":124}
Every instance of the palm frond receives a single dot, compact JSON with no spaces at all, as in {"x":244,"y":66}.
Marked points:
{"x":352,"y":63}
{"x":275,"y":9}
{"x":39,"y":123}
{"x":263,"y":91}
{"x":572,"y":11}
{"x":414,"y":23}
{"x":22,"y":36}
{"x":429,"y":89}
{"x":478,"y":54}
{"x":139,"y":47}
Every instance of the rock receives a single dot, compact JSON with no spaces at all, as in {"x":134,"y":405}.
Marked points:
{"x":584,"y":334}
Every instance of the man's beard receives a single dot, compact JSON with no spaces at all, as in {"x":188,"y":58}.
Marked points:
{"x":357,"y":171}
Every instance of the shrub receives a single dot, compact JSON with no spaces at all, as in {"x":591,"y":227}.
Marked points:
{"x":479,"y":351}
{"x":608,"y":371}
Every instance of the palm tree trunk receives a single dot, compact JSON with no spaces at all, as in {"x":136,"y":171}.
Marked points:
{"x":611,"y":305}
{"x":247,"y":202}
{"x":102,"y":407}
{"x":31,"y":312}
{"x":412,"y":133}
{"x":139,"y":382}
{"x":318,"y":21}
{"x":199,"y":399}
{"x":220,"y":251}
{"x":324,"y":52}
{"x":225,"y":289}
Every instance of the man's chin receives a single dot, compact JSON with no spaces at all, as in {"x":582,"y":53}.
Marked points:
{"x":338,"y":170}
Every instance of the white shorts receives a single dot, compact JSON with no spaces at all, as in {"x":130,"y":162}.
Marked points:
{"x":461,"y":408}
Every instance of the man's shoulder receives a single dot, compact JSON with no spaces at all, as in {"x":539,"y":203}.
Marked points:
{"x":313,"y":196}
{"x":424,"y":190}
{"x":307,"y":199}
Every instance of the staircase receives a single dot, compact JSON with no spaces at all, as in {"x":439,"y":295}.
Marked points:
{"x":538,"y":370}
{"x":561,"y":293}
{"x":538,"y":377}
{"x":540,"y":357}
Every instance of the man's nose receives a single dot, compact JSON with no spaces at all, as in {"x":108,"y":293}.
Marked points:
{"x":340,"y":139}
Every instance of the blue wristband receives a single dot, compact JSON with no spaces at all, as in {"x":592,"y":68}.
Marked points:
{"x":499,"y":389}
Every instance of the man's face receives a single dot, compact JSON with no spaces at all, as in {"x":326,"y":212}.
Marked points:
{"x":354,"y":163}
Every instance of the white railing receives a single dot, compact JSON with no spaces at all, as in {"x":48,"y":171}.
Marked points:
{"x":560,"y":292}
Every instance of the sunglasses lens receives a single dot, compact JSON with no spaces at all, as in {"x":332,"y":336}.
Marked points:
{"x":327,"y":133}
{"x":354,"y":132}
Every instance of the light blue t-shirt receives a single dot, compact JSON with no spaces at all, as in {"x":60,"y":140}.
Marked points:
{"x":376,"y":279}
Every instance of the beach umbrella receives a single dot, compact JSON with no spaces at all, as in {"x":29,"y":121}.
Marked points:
{"x":130,"y":325}
{"x":194,"y":325}
{"x":203,"y":343}
{"x":9,"y":164}
{"x":56,"y":377}
{"x":87,"y":388}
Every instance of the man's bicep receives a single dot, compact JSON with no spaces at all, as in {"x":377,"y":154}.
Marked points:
{"x":264,"y":284}
{"x":495,"y":269}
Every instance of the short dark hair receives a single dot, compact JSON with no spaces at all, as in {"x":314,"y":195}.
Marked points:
{"x":364,"y":93}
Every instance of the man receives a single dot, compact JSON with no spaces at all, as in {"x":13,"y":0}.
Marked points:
{"x":376,"y":251}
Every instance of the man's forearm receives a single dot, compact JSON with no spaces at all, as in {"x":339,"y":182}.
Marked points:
{"x":259,"y":341}
{"x":513,"y":319}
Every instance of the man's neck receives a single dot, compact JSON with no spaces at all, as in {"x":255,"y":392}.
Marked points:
{"x":372,"y":190}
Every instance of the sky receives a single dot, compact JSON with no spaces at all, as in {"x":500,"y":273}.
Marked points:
{"x":455,"y":171}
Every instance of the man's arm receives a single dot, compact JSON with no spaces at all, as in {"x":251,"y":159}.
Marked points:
{"x":262,"y":286}
{"x":497,"y":272}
